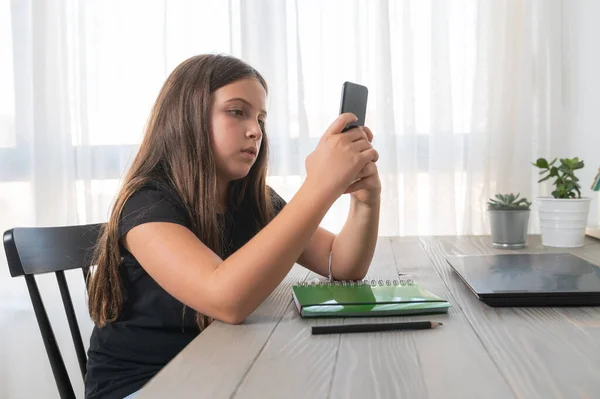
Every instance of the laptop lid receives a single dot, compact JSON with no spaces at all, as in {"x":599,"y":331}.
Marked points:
{"x":557,"y":274}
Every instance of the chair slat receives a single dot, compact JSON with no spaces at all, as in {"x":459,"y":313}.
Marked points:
{"x":57,"y":363}
{"x":50,"y":249}
{"x":72,"y":320}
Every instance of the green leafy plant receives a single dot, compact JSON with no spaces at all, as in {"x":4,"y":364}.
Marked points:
{"x":565,"y":181}
{"x":508,"y":202}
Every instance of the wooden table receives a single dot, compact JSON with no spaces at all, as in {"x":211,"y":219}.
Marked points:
{"x":480,"y":352}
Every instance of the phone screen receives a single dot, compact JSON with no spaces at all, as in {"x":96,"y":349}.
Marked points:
{"x":354,"y":99}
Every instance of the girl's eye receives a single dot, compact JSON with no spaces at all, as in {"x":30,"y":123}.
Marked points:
{"x":262,"y":125}
{"x":236,"y":112}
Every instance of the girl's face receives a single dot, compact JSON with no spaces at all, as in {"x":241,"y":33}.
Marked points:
{"x":237,"y":123}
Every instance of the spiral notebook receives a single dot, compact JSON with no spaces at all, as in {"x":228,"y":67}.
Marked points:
{"x":366,"y":299}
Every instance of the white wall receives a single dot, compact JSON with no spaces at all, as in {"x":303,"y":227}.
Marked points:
{"x":581,"y":46}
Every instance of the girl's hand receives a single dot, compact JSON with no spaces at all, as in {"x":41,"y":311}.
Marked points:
{"x":367,"y":186}
{"x":340,"y":157}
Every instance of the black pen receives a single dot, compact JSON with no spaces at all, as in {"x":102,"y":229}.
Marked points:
{"x":354,"y":328}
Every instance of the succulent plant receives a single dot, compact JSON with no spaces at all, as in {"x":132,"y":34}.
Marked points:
{"x":566,"y":182}
{"x":508,"y":202}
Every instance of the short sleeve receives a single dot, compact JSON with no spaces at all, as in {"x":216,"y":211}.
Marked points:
{"x":277,"y":202}
{"x":154,"y":202}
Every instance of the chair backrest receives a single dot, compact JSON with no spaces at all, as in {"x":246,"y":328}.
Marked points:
{"x":36,"y":250}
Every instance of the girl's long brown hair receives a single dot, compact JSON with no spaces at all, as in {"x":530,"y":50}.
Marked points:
{"x":176,"y":151}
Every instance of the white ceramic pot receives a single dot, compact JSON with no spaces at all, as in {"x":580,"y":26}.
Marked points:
{"x":563,"y":221}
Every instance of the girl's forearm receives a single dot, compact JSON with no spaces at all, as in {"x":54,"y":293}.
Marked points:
{"x":248,"y":276}
{"x":354,"y":246}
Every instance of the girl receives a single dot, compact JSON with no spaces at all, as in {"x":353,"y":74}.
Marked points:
{"x":195,"y":234}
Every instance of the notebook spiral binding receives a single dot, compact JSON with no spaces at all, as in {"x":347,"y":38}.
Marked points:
{"x":372,"y":283}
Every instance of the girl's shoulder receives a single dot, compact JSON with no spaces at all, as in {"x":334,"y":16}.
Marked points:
{"x":276,"y":200}
{"x":155,"y":201}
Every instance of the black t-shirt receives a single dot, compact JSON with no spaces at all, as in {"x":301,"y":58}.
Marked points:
{"x":153,"y":326}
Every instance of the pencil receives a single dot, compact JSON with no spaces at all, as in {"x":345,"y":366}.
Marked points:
{"x":596,"y":183}
{"x":355,"y":328}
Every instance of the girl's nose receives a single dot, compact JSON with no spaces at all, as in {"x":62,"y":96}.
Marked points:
{"x":254,"y":132}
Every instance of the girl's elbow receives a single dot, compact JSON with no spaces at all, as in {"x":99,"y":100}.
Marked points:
{"x":231,"y":315}
{"x":358,"y":276}
{"x":234,"y":318}
{"x":355,"y":275}
{"x":362,"y":276}
{"x":226,"y":308}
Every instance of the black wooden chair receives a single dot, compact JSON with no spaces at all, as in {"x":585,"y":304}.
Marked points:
{"x":33,"y":250}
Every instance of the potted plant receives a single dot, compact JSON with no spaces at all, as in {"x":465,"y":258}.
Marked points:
{"x":509,"y":219}
{"x":563,"y":217}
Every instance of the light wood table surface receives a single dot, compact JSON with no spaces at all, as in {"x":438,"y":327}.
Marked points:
{"x":479,"y":352}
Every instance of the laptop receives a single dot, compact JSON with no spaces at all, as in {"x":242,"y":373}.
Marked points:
{"x":549,"y":279}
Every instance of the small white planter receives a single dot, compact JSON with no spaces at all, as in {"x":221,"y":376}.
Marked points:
{"x":563,"y":221}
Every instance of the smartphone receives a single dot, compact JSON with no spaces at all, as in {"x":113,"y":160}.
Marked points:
{"x":354,"y":99}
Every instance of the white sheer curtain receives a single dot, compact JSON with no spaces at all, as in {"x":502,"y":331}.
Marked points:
{"x":463,"y":95}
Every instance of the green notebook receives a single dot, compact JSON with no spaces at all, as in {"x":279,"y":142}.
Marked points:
{"x":355,"y":299}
